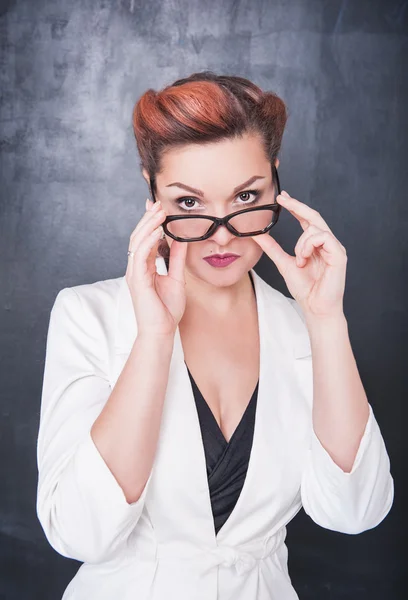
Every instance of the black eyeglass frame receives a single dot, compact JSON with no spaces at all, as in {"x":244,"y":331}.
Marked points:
{"x":217,"y":221}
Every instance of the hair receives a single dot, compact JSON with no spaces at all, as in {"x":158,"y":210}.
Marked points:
{"x":204,"y":108}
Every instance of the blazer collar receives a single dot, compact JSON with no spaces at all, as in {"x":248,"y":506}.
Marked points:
{"x":275,"y":311}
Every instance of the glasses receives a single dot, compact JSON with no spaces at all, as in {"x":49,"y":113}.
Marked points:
{"x":242,"y":223}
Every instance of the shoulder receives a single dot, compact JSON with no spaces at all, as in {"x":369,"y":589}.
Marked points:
{"x":278,"y":300}
{"x":97,"y":296}
{"x":285,"y":318}
{"x":89,"y":308}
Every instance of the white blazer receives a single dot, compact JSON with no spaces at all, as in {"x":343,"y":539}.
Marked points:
{"x":163,"y":546}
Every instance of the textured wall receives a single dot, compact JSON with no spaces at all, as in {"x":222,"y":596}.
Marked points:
{"x":71,"y":193}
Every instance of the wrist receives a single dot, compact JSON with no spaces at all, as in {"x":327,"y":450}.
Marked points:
{"x":335,"y":321}
{"x":155,"y":338}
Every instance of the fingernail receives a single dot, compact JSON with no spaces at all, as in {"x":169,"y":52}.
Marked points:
{"x":285,"y":193}
{"x":147,"y":203}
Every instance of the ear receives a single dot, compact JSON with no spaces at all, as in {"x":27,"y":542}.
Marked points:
{"x":147,"y":179}
{"x":146,"y":176}
{"x":277,"y":162}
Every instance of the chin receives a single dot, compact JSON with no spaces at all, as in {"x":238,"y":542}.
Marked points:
{"x":221,"y":276}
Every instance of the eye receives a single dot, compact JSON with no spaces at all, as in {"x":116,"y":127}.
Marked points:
{"x":255,"y":193}
{"x":251,"y":198}
{"x":189,"y":207}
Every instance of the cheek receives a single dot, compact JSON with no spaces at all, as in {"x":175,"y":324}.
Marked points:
{"x":253,"y":251}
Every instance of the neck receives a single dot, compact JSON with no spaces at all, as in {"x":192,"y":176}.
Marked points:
{"x":217,"y":301}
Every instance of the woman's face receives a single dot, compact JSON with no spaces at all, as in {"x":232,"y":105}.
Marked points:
{"x":216,"y":169}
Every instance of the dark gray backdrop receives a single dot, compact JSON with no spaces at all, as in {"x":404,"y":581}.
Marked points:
{"x":71,"y":193}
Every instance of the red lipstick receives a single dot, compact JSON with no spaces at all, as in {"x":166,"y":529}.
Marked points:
{"x":221,"y":260}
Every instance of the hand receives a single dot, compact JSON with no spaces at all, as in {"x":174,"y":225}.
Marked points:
{"x":316,"y":276}
{"x":159,"y":300}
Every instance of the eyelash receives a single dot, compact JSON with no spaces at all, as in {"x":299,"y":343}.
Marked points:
{"x":256,"y":193}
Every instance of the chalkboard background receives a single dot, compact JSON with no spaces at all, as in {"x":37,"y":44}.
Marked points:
{"x":71,"y":193}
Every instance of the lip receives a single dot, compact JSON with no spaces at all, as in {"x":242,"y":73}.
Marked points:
{"x":222,"y":260}
{"x":225,"y":255}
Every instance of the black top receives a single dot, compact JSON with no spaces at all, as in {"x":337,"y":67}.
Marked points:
{"x":227,"y":462}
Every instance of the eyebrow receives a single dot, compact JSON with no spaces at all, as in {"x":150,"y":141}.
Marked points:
{"x":201,"y":193}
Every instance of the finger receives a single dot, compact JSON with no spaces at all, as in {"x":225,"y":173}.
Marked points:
{"x":304,"y":223}
{"x":177,"y":261}
{"x":274,"y":250}
{"x":153,"y":220}
{"x":311,"y":230}
{"x":154,"y":237}
{"x":303,"y":213}
{"x":147,"y":216}
{"x":139,"y":268}
{"x":146,"y":228}
{"x":327,"y":244}
{"x":152,"y":256}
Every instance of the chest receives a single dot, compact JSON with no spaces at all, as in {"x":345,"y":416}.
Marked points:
{"x":223,"y":356}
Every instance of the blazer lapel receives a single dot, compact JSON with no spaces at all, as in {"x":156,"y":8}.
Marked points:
{"x":178,"y":498}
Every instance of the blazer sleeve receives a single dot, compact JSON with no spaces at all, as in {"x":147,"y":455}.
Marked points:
{"x":348,"y":502}
{"x":80,"y":505}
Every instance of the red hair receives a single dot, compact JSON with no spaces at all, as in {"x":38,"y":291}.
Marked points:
{"x":204,"y":107}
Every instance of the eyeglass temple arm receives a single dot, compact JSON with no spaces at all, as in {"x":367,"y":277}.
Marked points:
{"x":275,"y":174}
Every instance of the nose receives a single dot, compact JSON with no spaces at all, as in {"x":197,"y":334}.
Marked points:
{"x":222,"y":236}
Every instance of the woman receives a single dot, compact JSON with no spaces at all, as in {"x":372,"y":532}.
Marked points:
{"x":189,"y":409}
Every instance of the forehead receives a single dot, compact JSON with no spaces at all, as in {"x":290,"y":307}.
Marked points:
{"x":215,"y":165}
